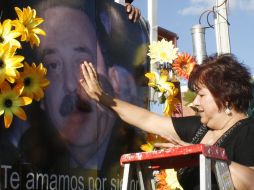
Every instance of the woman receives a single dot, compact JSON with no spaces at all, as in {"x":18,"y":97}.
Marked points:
{"x":223,"y":92}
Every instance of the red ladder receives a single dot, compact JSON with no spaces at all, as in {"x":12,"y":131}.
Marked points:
{"x":206,"y":156}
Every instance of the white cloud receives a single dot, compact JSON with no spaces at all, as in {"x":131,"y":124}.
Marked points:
{"x":205,"y":2}
{"x":241,"y":5}
{"x":196,"y":7}
{"x":246,"y":5}
{"x":233,"y":4}
{"x":192,"y":10}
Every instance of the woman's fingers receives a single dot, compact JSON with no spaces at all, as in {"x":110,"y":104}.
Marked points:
{"x":171,"y":139}
{"x":90,"y":71}
{"x":165,"y":145}
{"x":85,"y":77}
{"x":83,"y":81}
{"x":89,"y":81}
{"x":89,"y":74}
{"x":181,"y":143}
{"x":93,"y":70}
{"x":84,"y":72}
{"x":172,"y":142}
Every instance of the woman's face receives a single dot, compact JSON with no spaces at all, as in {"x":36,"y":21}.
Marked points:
{"x":208,"y":109}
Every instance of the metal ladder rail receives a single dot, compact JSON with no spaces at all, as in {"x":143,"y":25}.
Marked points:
{"x":206,"y":160}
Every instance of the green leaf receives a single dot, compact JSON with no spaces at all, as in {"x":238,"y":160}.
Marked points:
{"x":189,"y":97}
{"x":251,"y":108}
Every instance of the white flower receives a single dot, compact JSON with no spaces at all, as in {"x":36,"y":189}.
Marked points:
{"x":162,"y":51}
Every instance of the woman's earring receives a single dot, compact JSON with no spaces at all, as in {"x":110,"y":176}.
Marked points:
{"x":228,"y":111}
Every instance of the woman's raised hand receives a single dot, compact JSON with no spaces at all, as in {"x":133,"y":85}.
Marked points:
{"x":89,"y":81}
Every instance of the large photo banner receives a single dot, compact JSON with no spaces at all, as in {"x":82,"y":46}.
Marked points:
{"x":67,"y":141}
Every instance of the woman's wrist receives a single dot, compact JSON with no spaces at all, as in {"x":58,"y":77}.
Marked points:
{"x":106,"y":99}
{"x":102,"y":97}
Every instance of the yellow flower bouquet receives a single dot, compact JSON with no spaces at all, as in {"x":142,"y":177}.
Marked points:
{"x":168,"y":67}
{"x":20,"y":82}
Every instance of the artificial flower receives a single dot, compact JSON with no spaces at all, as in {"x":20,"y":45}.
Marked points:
{"x":167,"y":90}
{"x":170,"y":106}
{"x":151,"y":140}
{"x":158,"y":82}
{"x":11,"y":102}
{"x":27,"y":23}
{"x":9,"y":62}
{"x":169,"y":65}
{"x":161,"y":175}
{"x":170,"y":92}
{"x":183,"y":65}
{"x":161,"y":181}
{"x":7,"y":35}
{"x":153,"y":79}
{"x":148,"y":147}
{"x":172,"y":180}
{"x":162,"y":52}
{"x":33,"y":80}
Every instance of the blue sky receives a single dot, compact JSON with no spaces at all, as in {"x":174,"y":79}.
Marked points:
{"x":180,"y":15}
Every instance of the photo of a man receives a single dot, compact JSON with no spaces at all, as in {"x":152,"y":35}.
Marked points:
{"x":81,"y":122}
{"x":84,"y":138}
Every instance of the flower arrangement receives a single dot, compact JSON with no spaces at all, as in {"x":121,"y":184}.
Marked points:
{"x":20,"y":82}
{"x":169,"y":66}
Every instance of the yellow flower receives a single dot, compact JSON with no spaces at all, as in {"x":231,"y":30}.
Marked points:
{"x":7,"y":35}
{"x":158,"y":82}
{"x":162,"y":51}
{"x":147,"y":147}
{"x":11,"y":102}
{"x":172,"y":180}
{"x":153,"y":78}
{"x":170,"y":106}
{"x":33,"y":80}
{"x":27,"y":23}
{"x":170,"y":92}
{"x":9,"y":62}
{"x":168,"y":88}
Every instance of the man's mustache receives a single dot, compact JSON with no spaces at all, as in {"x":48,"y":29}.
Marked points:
{"x":71,"y":102}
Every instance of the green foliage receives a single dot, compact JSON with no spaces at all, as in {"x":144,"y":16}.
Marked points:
{"x":188,"y":97}
{"x":251,"y":108}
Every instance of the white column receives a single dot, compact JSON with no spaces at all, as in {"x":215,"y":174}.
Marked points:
{"x":152,"y":19}
{"x":221,"y":28}
{"x":154,"y":104}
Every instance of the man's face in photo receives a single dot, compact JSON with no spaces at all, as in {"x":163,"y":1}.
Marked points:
{"x":71,"y":39}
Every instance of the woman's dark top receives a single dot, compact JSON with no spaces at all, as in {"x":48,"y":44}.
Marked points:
{"x":238,"y":142}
